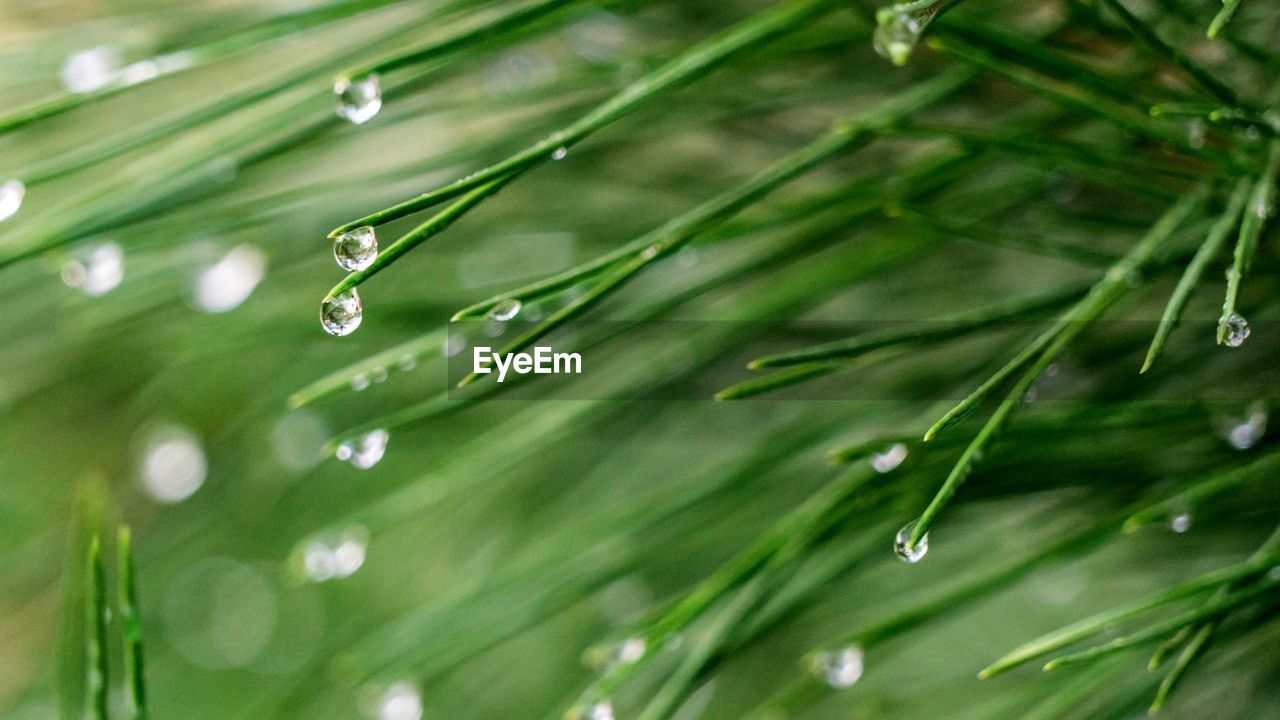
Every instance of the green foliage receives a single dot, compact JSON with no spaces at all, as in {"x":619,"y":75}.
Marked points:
{"x":979,"y":232}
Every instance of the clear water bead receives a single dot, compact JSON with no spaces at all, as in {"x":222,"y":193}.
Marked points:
{"x":839,"y":668}
{"x":1237,"y":330}
{"x":560,"y":153}
{"x":359,"y":100}
{"x":896,"y":34}
{"x":505,"y":310}
{"x":889,"y":459}
{"x":365,"y":451}
{"x":356,"y":249}
{"x":1180,"y":523}
{"x":342,"y":313}
{"x":902,"y":548}
{"x":11,"y":194}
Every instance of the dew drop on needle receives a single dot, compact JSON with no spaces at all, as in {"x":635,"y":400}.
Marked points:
{"x":896,"y":34}
{"x":902,"y":547}
{"x":342,"y":313}
{"x":505,"y":310}
{"x":1237,"y":330}
{"x":359,"y":99}
{"x":356,"y":249}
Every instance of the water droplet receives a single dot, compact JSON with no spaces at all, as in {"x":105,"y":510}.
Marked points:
{"x":401,"y":701}
{"x":454,"y":345}
{"x":839,"y":668}
{"x":226,"y":284}
{"x":560,"y":153}
{"x":505,"y":310}
{"x":1237,"y":330}
{"x":365,"y":451}
{"x":407,"y":362}
{"x":356,"y":249}
{"x":1244,"y":433}
{"x":11,"y":194}
{"x":360,"y":381}
{"x":889,"y":459}
{"x":173,"y":464}
{"x":90,"y":70}
{"x":1180,"y":523}
{"x":909,"y":554}
{"x":334,"y":556}
{"x":896,"y":34}
{"x":495,"y":328}
{"x":650,"y":252}
{"x":359,"y":100}
{"x":341,"y":314}
{"x":607,"y":658}
{"x":379,"y":374}
{"x":95,"y":270}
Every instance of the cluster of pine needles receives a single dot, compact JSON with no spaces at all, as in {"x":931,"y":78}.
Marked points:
{"x":931,"y":259}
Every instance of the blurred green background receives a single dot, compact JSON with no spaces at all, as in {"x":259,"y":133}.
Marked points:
{"x":161,"y":309}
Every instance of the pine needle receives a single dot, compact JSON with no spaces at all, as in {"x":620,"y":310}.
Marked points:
{"x":97,"y":659}
{"x":131,"y":629}
{"x":1208,"y":250}
{"x":1261,"y":206}
{"x":1045,"y":349}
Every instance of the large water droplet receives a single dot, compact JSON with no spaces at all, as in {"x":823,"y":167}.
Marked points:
{"x":334,"y":556}
{"x":505,"y":310}
{"x":90,"y":70}
{"x":1180,"y":523}
{"x":560,"y":153}
{"x":11,"y":194}
{"x":342,"y":313}
{"x":896,"y":34}
{"x":95,"y":269}
{"x":356,"y":249}
{"x":902,"y":547}
{"x":359,"y":100}
{"x":1237,"y":330}
{"x":839,"y":668}
{"x":365,"y":451}
{"x":889,"y":459}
